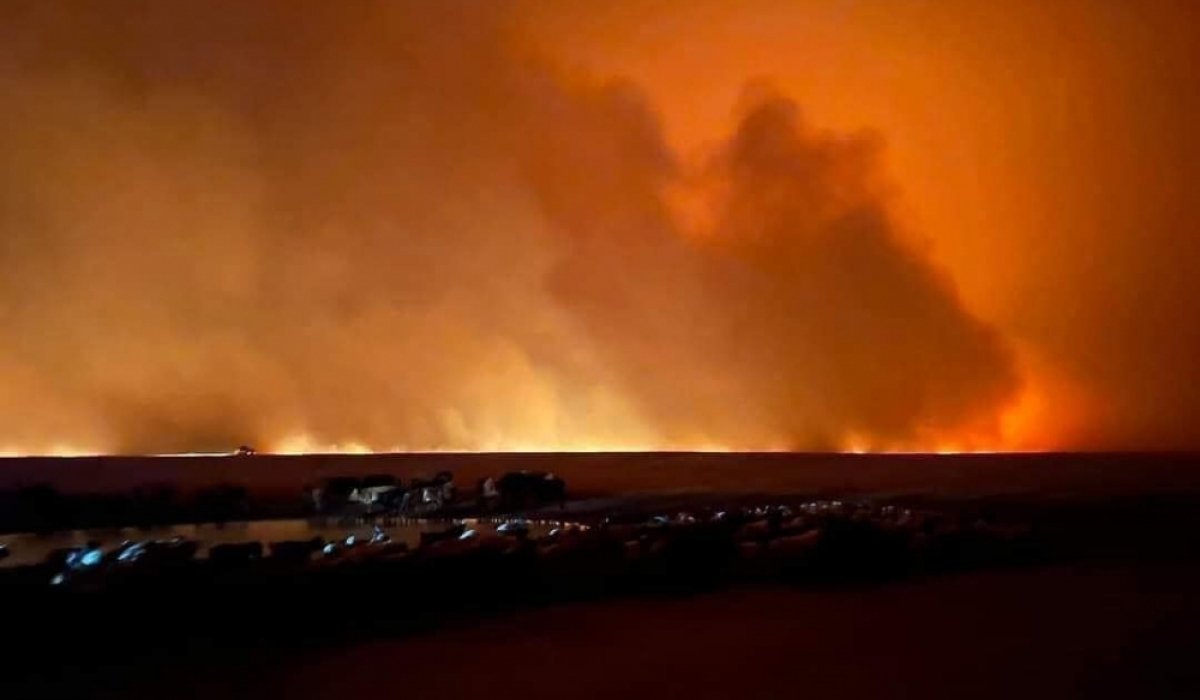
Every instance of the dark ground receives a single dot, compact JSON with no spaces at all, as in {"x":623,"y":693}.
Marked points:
{"x":1114,"y":612}
{"x":953,"y":476}
{"x":1103,"y":630}
{"x":1048,"y":633}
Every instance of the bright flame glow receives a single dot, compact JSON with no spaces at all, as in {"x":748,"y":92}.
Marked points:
{"x":298,"y":444}
{"x":304,"y":444}
{"x":1015,"y":423}
{"x":59,"y":450}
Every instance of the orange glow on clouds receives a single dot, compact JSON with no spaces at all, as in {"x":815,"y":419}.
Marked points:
{"x":569,"y":226}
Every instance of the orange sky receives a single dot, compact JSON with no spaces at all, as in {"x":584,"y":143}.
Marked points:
{"x":442,"y":225}
{"x":1033,"y":147}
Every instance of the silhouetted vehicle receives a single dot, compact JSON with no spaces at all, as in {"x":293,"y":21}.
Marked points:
{"x":245,"y":451}
{"x":176,"y":550}
{"x":451,"y":533}
{"x":61,"y":557}
{"x":3,"y":552}
{"x":334,"y":497}
{"x":127,"y":551}
{"x":488,"y":493}
{"x":376,"y":492}
{"x":377,"y":481}
{"x":296,"y":550}
{"x":379,"y":536}
{"x":445,"y":480}
{"x":425,"y":496}
{"x":527,"y":489}
{"x":235,"y":554}
{"x":156,"y":553}
{"x":517,"y":527}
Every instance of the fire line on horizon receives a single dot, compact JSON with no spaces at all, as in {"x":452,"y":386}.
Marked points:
{"x":702,"y":226}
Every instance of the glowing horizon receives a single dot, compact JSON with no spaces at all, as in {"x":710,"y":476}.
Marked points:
{"x":549,"y":227}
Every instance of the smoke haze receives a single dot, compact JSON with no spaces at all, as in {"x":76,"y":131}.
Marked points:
{"x":414,"y":225}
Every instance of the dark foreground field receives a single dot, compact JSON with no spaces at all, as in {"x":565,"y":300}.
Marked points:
{"x":1060,"y":632}
{"x":1109,"y":606}
{"x":1097,"y":630}
{"x":953,"y":475}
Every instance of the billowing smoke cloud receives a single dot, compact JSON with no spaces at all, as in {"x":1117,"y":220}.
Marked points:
{"x":393,"y":224}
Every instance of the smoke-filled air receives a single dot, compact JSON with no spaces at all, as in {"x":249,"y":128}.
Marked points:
{"x":407,"y":225}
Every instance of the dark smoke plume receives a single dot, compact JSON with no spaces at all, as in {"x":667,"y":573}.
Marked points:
{"x":390,"y":223}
